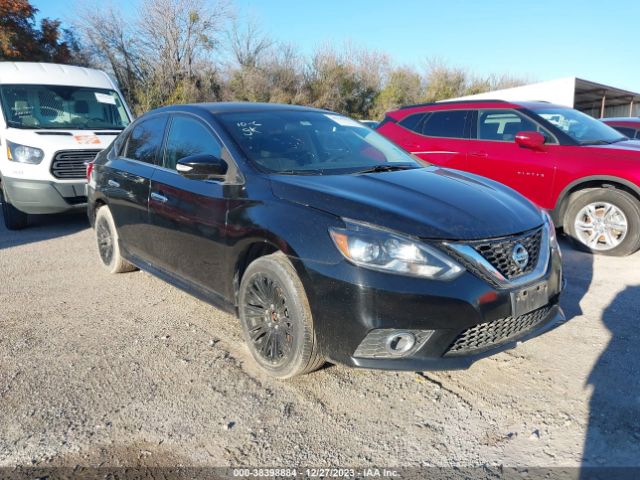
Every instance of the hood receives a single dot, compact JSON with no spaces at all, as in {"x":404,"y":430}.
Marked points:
{"x":619,"y":147}
{"x":53,"y":140}
{"x":431,"y":202}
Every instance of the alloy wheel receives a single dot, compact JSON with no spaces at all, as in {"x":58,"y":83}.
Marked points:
{"x":105,"y":241}
{"x":601,"y":226}
{"x":270,"y":327}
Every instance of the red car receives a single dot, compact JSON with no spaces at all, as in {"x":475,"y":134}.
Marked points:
{"x":585,"y":173}
{"x":628,"y":126}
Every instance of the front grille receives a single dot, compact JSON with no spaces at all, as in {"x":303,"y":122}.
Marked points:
{"x":499,"y":253}
{"x":71,"y":163}
{"x":492,"y":334}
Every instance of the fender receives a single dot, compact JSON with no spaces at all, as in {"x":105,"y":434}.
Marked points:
{"x":558,"y":210}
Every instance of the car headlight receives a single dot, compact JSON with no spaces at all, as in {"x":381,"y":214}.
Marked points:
{"x":553,"y":238}
{"x":23,"y":154}
{"x":378,"y":249}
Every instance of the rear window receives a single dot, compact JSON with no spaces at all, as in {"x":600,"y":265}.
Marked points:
{"x":145,"y":140}
{"x":412,"y":122}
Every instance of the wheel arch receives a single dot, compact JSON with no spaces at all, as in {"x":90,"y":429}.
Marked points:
{"x":259,"y":247}
{"x":587,"y":183}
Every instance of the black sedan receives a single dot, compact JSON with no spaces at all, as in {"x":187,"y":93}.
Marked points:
{"x":328,"y":241}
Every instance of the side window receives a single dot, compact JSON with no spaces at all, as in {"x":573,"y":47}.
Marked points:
{"x":449,"y":123}
{"x":145,"y":140}
{"x":637,"y":134}
{"x":188,"y":136}
{"x":503,"y":125}
{"x":412,"y":122}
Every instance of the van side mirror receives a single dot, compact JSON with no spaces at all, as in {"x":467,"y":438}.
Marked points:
{"x":202,"y":167}
{"x":532,"y":140}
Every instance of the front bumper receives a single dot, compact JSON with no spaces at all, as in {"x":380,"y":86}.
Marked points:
{"x":41,"y":197}
{"x":348,"y":303}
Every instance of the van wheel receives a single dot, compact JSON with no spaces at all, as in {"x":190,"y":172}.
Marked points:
{"x":14,"y":219}
{"x":276,"y":318}
{"x":107,"y":240}
{"x":604,"y":221}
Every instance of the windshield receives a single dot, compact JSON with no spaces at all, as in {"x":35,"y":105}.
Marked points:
{"x":54,"y":106}
{"x":308,"y":143}
{"x":580,"y":126}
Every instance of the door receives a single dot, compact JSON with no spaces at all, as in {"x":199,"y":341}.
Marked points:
{"x":439,"y":137}
{"x":188,"y":216}
{"x":128,"y":179}
{"x":494,"y":153}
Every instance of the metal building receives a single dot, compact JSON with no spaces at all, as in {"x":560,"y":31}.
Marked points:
{"x":593,"y":98}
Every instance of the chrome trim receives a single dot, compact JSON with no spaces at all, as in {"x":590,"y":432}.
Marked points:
{"x":478,"y":261}
{"x":159,"y":198}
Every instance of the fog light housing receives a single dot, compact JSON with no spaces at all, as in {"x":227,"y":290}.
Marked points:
{"x":400,"y":343}
{"x":392,"y":343}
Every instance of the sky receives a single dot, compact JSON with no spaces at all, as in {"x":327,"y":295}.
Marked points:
{"x":539,"y":40}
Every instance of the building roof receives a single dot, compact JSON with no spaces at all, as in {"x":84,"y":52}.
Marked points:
{"x":52,"y":74}
{"x":570,"y":91}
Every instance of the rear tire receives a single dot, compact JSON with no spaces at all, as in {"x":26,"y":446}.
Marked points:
{"x":107,"y":241}
{"x":14,"y":219}
{"x":276,"y":318}
{"x":604,"y":221}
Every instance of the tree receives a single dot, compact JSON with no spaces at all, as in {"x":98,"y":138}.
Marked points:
{"x":163,"y":57}
{"x":404,"y":86}
{"x":22,"y":40}
{"x":347,"y":82}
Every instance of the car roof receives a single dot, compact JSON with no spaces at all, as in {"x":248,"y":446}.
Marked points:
{"x":228,"y":107}
{"x":40,"y":73}
{"x":470,"y":103}
{"x":622,"y":119}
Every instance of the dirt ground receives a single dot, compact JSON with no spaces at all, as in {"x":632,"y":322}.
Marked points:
{"x":126,"y":370}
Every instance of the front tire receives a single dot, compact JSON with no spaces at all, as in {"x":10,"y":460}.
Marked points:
{"x":604,"y":221}
{"x":276,"y":318}
{"x":107,"y":242}
{"x":14,"y":219}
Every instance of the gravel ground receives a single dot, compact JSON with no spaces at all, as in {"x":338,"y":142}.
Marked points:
{"x":126,"y":370}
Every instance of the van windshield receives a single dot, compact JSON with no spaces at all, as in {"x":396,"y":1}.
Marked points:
{"x":62,"y":107}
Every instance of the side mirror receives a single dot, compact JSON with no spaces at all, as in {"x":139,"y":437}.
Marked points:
{"x":532,"y":140}
{"x":202,"y":167}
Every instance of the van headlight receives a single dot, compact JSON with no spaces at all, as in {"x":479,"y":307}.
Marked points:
{"x":23,"y":154}
{"x":379,"y":249}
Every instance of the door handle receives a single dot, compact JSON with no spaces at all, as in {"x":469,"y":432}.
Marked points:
{"x":479,"y":154}
{"x":158,"y":197}
{"x":113,"y":183}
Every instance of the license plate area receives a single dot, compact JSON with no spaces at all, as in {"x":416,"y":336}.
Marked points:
{"x":529,"y":299}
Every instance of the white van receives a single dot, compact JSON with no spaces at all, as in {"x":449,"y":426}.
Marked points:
{"x":54,"y":119}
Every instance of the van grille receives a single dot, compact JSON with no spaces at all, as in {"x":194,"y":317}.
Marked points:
{"x":71,"y":163}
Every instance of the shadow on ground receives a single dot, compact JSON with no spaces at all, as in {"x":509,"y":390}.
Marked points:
{"x":613,"y":433}
{"x":43,"y":227}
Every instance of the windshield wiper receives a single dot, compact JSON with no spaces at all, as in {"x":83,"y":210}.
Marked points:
{"x":603,"y":142}
{"x":385,"y":168}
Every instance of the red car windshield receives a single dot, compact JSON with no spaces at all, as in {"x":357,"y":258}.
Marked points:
{"x":581,"y":127}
